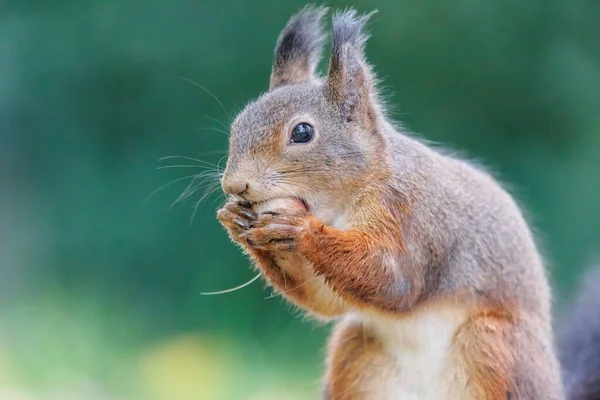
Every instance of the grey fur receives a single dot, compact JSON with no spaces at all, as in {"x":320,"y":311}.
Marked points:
{"x":579,"y":342}
{"x":299,"y":47}
{"x":348,"y":28}
{"x":349,"y":77}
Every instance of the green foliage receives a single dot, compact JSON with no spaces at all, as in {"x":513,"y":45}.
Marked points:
{"x":91,"y":97}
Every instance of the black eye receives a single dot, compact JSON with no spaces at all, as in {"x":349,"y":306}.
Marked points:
{"x":302,"y":133}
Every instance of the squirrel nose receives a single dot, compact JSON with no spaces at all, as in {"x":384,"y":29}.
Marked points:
{"x":236,"y":188}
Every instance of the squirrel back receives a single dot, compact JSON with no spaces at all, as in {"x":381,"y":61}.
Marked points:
{"x":578,"y":337}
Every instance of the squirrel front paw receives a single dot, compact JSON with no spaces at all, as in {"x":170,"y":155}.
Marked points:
{"x":236,"y":217}
{"x":277,"y":230}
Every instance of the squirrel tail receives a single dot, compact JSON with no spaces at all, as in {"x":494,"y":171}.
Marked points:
{"x":578,"y":340}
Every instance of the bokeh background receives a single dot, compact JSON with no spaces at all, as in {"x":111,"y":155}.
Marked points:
{"x":100,"y":291}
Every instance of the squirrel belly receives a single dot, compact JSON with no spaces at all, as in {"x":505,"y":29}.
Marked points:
{"x":408,"y":358}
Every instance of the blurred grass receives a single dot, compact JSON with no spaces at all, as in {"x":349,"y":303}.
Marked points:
{"x":52,"y":349}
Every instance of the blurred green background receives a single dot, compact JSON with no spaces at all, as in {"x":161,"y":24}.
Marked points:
{"x":100,"y":294}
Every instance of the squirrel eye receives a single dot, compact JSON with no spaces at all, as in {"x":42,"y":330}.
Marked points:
{"x":302,"y":133}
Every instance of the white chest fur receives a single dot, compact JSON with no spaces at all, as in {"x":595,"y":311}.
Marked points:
{"x":418,"y":350}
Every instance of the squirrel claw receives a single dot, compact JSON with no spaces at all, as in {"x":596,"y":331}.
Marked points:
{"x":272,"y":237}
{"x":270,"y":212}
{"x":283,"y":245}
{"x":248,"y":214}
{"x":235,"y":219}
{"x":276,"y":245}
{"x":241,"y":223}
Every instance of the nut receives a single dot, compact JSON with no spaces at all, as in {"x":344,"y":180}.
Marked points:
{"x":286,"y":203}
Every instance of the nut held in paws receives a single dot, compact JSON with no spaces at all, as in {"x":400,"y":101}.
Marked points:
{"x":286,"y":203}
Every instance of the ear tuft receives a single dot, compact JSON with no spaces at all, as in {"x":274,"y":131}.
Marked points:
{"x":299,"y":47}
{"x":349,"y":29}
{"x":349,"y":82}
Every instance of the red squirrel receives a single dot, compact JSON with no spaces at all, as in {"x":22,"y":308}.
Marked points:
{"x":425,"y":263}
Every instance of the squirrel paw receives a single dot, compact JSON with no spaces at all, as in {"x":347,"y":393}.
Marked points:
{"x":236,"y":217}
{"x":277,"y":230}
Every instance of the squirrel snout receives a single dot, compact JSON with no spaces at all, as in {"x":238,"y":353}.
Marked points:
{"x":235,"y":188}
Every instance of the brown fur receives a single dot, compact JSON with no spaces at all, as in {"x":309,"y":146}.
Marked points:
{"x":483,"y":346}
{"x":354,"y":354}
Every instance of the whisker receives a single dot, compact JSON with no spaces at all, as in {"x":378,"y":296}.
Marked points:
{"x":243,"y":285}
{"x":214,"y":152}
{"x":186,"y":193}
{"x":219,"y":163}
{"x":282,"y":188}
{"x":292,"y":289}
{"x":208,"y":128}
{"x":206,"y":185}
{"x":286,"y":181}
{"x":191,"y":189}
{"x":215,"y":120}
{"x":206,"y":90}
{"x":197,"y":204}
{"x":222,"y":195}
{"x":166,"y":185}
{"x":181,"y":166}
{"x":186,"y":158}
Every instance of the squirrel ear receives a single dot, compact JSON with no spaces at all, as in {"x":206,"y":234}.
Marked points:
{"x":349,"y":82}
{"x":299,"y":47}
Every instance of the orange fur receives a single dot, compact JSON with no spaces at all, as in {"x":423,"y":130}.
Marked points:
{"x":356,"y":264}
{"x":484,"y":346}
{"x":353,"y":355}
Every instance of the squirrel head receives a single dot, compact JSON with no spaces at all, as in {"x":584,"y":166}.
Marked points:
{"x":317,"y":139}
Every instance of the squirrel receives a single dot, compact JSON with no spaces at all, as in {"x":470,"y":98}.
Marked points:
{"x":423,"y":260}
